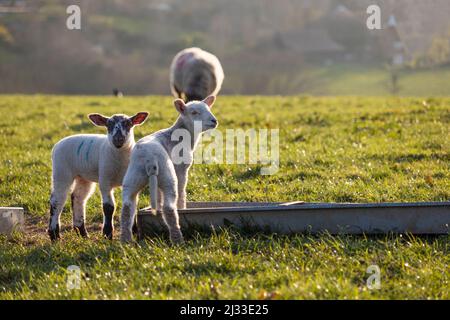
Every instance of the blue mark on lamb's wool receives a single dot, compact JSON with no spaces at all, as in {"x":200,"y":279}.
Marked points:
{"x":89,"y":149}
{"x":79,"y":148}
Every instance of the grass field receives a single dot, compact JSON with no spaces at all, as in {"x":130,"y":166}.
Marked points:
{"x":331,"y":150}
{"x":344,"y":79}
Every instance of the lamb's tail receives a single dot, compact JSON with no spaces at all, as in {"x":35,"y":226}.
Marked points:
{"x":152,"y":172}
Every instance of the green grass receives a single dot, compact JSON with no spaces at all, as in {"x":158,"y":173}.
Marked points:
{"x":344,"y":79}
{"x":331,"y":150}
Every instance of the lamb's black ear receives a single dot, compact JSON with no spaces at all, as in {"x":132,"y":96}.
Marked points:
{"x":98,"y":119}
{"x":139,"y":118}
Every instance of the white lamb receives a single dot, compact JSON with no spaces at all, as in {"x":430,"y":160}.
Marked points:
{"x":162,"y":162}
{"x":195,"y":74}
{"x":81,"y":160}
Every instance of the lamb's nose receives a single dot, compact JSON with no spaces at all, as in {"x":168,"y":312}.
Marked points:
{"x":214,"y":121}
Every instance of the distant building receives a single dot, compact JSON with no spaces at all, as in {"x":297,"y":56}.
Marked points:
{"x":13,"y":6}
{"x":412,"y":26}
{"x":341,"y":35}
{"x":313,"y":43}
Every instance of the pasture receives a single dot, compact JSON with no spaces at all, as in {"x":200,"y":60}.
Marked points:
{"x":344,"y":149}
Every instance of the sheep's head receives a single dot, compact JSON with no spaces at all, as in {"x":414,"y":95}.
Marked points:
{"x":120,"y":126}
{"x":197,"y":111}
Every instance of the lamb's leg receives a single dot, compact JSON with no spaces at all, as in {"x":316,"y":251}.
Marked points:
{"x":168,"y":183}
{"x":57,"y":201}
{"x":182,"y":176}
{"x":169,"y":186}
{"x":170,"y":214}
{"x":130,"y":198}
{"x":108,"y":210}
{"x":82,"y":191}
{"x":133,"y":183}
{"x":160,"y":202}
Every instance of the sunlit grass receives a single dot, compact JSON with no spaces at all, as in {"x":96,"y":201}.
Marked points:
{"x":331,"y":149}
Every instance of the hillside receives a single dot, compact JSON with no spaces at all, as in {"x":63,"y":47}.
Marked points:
{"x":266,"y":47}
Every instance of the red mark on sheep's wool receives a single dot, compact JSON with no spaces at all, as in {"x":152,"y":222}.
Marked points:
{"x":182,"y":59}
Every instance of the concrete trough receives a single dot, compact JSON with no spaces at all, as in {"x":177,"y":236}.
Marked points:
{"x":297,"y":217}
{"x":11,"y":219}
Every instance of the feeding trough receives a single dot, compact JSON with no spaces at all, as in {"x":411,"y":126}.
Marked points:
{"x":299,"y":217}
{"x":11,"y":219}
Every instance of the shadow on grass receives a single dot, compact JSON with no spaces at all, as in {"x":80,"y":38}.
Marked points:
{"x":247,"y":231}
{"x":28,"y":267}
{"x":409,"y":157}
{"x":25,"y":267}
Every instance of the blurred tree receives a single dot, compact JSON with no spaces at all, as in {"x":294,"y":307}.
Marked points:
{"x":6,"y":37}
{"x":347,"y":29}
{"x":439,"y":51}
{"x":437,"y":54}
{"x":130,"y":44}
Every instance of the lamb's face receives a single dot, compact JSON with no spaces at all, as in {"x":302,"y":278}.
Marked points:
{"x":120,"y":127}
{"x":198,"y":112}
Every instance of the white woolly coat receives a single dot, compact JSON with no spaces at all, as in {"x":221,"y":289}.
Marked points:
{"x":195,"y":72}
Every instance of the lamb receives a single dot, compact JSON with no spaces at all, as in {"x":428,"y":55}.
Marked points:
{"x":79,"y":161}
{"x":162,"y":162}
{"x":195,"y":74}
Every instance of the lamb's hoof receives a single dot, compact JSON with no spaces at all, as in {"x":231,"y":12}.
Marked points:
{"x":54,"y":234}
{"x":81,"y":231}
{"x":108,"y":232}
{"x":126,"y":237}
{"x":108,"y":236}
{"x":176,"y":237}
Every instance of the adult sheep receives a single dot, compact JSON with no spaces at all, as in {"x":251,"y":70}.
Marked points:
{"x":195,"y":74}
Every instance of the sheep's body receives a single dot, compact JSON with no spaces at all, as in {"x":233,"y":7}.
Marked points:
{"x":151,"y":158}
{"x":195,"y":74}
{"x":80,"y":161}
{"x":89,"y":157}
{"x":153,"y":163}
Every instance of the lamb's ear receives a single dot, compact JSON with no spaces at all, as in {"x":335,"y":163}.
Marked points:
{"x":210,"y":101}
{"x":139,"y":118}
{"x":180,"y":105}
{"x":98,"y":119}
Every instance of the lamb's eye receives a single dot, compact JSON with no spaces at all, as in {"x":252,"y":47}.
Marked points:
{"x":127,"y":124}
{"x":110,"y":125}
{"x":194,"y":112}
